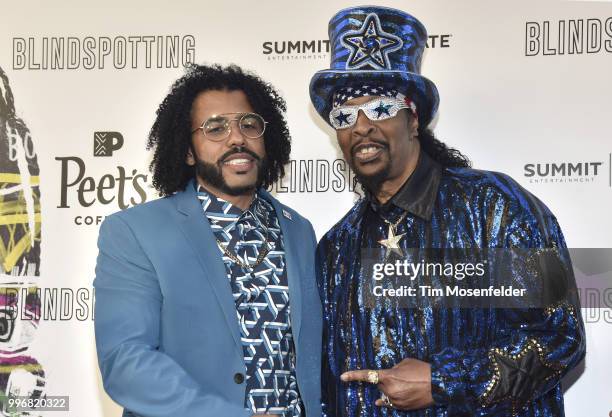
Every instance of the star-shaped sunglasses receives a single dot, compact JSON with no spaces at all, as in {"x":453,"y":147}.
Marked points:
{"x":383,"y":108}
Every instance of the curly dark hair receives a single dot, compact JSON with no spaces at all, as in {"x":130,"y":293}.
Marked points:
{"x":440,"y":152}
{"x":171,"y":131}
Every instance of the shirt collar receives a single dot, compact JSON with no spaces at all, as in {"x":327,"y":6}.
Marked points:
{"x":259,"y":207}
{"x":418,"y":194}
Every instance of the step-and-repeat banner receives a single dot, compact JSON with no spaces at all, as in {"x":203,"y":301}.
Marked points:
{"x":525,"y":89}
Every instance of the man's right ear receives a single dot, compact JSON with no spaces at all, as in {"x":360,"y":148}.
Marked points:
{"x":189,"y":158}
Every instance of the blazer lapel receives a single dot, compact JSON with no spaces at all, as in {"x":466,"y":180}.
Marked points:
{"x":291,"y":235}
{"x":197,"y":230}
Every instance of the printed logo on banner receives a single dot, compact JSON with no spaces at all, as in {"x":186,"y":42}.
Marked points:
{"x":107,"y":142}
{"x":571,"y":37}
{"x":568,"y":172}
{"x":102,"y":52}
{"x":288,"y":50}
{"x":316,"y":176}
{"x":121,"y":188}
{"x":300,"y":49}
{"x":439,"y":41}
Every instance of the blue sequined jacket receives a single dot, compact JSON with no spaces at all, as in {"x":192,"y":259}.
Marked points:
{"x":484,"y":361}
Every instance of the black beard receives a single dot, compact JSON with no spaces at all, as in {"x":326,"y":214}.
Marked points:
{"x":212,"y":174}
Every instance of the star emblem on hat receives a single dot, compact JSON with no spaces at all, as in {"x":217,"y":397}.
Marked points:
{"x":370,"y":45}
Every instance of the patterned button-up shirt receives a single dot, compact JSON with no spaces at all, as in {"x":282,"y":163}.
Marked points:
{"x":261,"y":295}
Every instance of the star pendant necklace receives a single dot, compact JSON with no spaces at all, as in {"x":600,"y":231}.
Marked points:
{"x":392,"y":240}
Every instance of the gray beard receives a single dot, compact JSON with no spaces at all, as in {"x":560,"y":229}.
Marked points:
{"x":371,"y":183}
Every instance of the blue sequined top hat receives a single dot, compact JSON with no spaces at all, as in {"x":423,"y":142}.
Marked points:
{"x":377,"y":46}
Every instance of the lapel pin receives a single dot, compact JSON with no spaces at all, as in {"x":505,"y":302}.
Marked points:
{"x":287,"y":214}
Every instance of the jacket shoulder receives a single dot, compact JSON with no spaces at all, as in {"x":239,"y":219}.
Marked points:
{"x":152,"y":211}
{"x":492,"y":184}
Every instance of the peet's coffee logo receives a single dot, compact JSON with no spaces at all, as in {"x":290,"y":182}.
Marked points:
{"x":572,"y":37}
{"x":107,"y":142}
{"x":122,"y":187}
{"x":89,"y":52}
{"x":562,"y":172}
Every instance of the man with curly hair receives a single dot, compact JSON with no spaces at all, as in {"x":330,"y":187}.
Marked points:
{"x":201,"y":295}
{"x":402,"y":344}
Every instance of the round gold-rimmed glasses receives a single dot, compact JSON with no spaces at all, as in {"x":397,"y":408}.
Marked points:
{"x":218,"y":127}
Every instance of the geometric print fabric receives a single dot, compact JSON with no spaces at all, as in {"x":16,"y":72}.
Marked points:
{"x":261,"y":296}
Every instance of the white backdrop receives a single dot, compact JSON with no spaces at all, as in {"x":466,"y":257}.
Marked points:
{"x":511,"y":93}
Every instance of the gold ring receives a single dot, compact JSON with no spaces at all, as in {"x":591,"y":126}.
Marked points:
{"x":373,"y":377}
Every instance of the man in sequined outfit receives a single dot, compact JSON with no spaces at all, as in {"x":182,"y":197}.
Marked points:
{"x":206,"y":302}
{"x":381,"y":358}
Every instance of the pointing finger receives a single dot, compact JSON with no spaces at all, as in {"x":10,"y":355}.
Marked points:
{"x":364,"y":375}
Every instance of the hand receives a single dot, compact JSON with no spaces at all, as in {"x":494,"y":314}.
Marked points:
{"x":407,"y":384}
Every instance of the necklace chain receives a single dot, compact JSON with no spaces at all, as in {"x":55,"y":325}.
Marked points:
{"x":262,"y":254}
{"x":395,"y":224}
{"x":260,"y":257}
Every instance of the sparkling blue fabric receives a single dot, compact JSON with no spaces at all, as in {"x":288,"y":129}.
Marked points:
{"x":463,"y":208}
{"x":373,"y":22}
{"x":262,"y":301}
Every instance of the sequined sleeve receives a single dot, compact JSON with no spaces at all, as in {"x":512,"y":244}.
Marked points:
{"x":534,"y":347}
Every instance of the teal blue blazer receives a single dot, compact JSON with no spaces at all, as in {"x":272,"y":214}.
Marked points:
{"x":167,"y":334}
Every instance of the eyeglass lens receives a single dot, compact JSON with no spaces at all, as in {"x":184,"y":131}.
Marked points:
{"x":251,"y":125}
